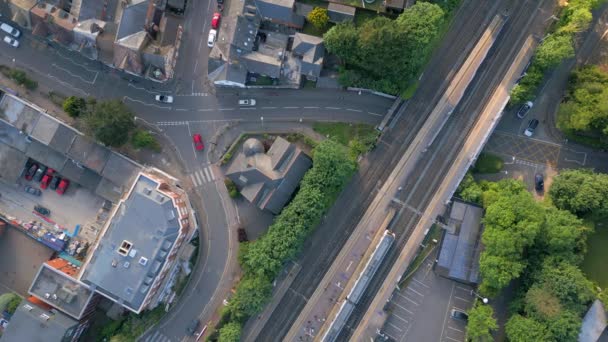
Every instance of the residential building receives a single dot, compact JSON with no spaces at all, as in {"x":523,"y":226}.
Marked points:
{"x":20,"y":12}
{"x":310,"y":50}
{"x":269,"y":179}
{"x":52,"y":21}
{"x":339,"y":13}
{"x":280,"y":12}
{"x":131,"y":261}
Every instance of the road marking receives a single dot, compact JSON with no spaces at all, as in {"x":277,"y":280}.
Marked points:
{"x":335,"y":108}
{"x":354,"y":110}
{"x":248,"y":108}
{"x":74,"y":75}
{"x":449,"y":327}
{"x":445,"y":318}
{"x":181,"y":109}
{"x":144,"y":103}
{"x":463,"y":288}
{"x":453,"y":339}
{"x":205,"y":109}
{"x":193,"y":179}
{"x":462,"y":299}
{"x":311,"y":107}
{"x":374,"y":114}
{"x":207,"y":173}
{"x":416,"y":292}
{"x":395,"y":327}
{"x":401,"y":307}
{"x":198,"y":177}
{"x":291,"y":107}
{"x":224,"y":109}
{"x":399,"y":317}
{"x":400,"y":295}
{"x":195,"y":64}
{"x":269,"y":107}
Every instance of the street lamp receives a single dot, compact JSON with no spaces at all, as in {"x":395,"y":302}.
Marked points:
{"x":483,"y":299}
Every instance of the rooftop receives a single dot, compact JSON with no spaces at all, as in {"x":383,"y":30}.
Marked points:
{"x":135,"y":245}
{"x":33,"y":323}
{"x":133,"y":18}
{"x":594,"y":323}
{"x":61,"y":291}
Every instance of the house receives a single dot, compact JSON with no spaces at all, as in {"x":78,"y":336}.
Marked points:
{"x":20,"y":12}
{"x":137,"y":250}
{"x":339,"y":13}
{"x":50,"y":21}
{"x":280,"y":12}
{"x":269,"y":179}
{"x":461,"y":244}
{"x":310,"y":51}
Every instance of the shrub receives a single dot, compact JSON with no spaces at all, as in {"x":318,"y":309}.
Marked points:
{"x":318,"y":17}
{"x":144,"y":139}
{"x":74,"y":106}
{"x":488,"y":163}
{"x":232,"y":190}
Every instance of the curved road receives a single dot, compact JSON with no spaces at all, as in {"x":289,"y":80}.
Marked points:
{"x":197,"y":108}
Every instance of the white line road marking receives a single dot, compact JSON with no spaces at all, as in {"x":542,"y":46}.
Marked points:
{"x":291,"y":107}
{"x":349,"y":265}
{"x":211,"y":172}
{"x":416,"y":292}
{"x":144,"y":103}
{"x":354,"y":110}
{"x":205,"y":109}
{"x":269,"y":107}
{"x":311,"y":107}
{"x":374,"y":114}
{"x":74,"y":75}
{"x":395,"y":327}
{"x":224,"y":109}
{"x":463,"y":288}
{"x":181,"y":109}
{"x":198,"y":177}
{"x":449,"y":327}
{"x":399,"y":317}
{"x":445,"y":318}
{"x":248,"y":108}
{"x":335,"y":108}
{"x":464,"y":300}
{"x":421,"y":283}
{"x":195,"y":64}
{"x":400,"y":295}
{"x":453,"y":339}
{"x":193,"y":179}
{"x":207,"y":174}
{"x":401,"y":307}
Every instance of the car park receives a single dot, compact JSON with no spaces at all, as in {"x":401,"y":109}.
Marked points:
{"x":10,"y":30}
{"x":46,"y":180}
{"x":164,"y":98}
{"x":524,"y":109}
{"x":63,"y":186}
{"x":539,"y":182}
{"x":192,"y":326}
{"x":40,"y":173}
{"x":42,"y":210}
{"x":215,"y":21}
{"x":212,"y":37}
{"x":247,"y":102}
{"x":531,"y":127}
{"x":32,"y":190}
{"x":54,"y":182}
{"x":459,"y":315}
{"x":197,"y":139}
{"x":11,"y":41}
{"x":31,"y":171}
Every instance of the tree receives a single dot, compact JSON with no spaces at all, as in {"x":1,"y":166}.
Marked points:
{"x":250,"y":296}
{"x":522,"y":329}
{"x":230,"y":332}
{"x":581,"y":192}
{"x":553,"y":50}
{"x":565,"y":327}
{"x":318,"y":17}
{"x":341,"y":40}
{"x":497,"y":272}
{"x":144,"y":139}
{"x":481,"y":323}
{"x":469,"y":190}
{"x":74,"y":106}
{"x":564,"y":236}
{"x":111,"y":122}
{"x":568,"y":283}
{"x":542,"y":304}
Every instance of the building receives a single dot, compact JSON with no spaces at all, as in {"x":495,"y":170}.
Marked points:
{"x":461,"y":244}
{"x":280,"y":12}
{"x":20,"y":12}
{"x":594,"y":327}
{"x":53,"y":22}
{"x":34,"y":321}
{"x":269,"y":179}
{"x":339,"y":13}
{"x":138,"y":247}
{"x":310,"y":50}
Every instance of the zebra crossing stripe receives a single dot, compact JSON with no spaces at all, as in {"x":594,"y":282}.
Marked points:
{"x":200,"y":180}
{"x":207,"y":174}
{"x":211,"y":172}
{"x":193,"y":179}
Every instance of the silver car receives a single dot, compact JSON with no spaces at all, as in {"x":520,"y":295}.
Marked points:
{"x":247,"y":102}
{"x":11,"y":41}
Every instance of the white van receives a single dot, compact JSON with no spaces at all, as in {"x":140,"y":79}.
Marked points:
{"x":10,"y":30}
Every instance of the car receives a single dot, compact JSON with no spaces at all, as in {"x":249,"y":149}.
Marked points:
{"x":32,"y":190}
{"x":63,"y":186}
{"x":220,"y":1}
{"x":242,"y":235}
{"x":198,"y":142}
{"x":212,"y":37}
{"x":531,"y":127}
{"x":42,"y":210}
{"x":55,"y":182}
{"x":460,"y":315}
{"x":10,"y":30}
{"x":539,"y":182}
{"x":247,"y":102}
{"x":192,"y":326}
{"x":11,"y":41}
{"x":524,"y":109}
{"x":215,"y":21}
{"x":29,"y":174}
{"x":39,"y":173}
{"x":46,"y":180}
{"x":164,"y":98}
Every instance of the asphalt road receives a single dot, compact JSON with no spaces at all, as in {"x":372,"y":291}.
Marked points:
{"x":320,"y":250}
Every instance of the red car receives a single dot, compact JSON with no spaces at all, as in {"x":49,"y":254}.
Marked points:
{"x":29,"y":174}
{"x":215,"y":22}
{"x":45,"y":181}
{"x":63,"y":186}
{"x":198,"y":142}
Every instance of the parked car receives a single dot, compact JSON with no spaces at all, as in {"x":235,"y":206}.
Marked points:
{"x":212,"y":37}
{"x":198,"y":142}
{"x":63,"y":186}
{"x":11,"y":41}
{"x":242,"y":235}
{"x":247,"y":102}
{"x":29,"y":174}
{"x":164,"y":98}
{"x":32,"y":190}
{"x":539,"y":182}
{"x":10,"y":30}
{"x":54,"y":182}
{"x":215,"y":21}
{"x":531,"y":127}
{"x":192,"y":327}
{"x":39,"y":173}
{"x":524,"y":109}
{"x":42,"y":210}
{"x":46,"y":180}
{"x":460,"y":315}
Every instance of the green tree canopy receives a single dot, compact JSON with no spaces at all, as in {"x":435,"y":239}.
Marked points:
{"x":111,"y":122}
{"x":522,"y":329}
{"x":318,"y":17}
{"x":230,"y":332}
{"x":250,"y":296}
{"x":566,"y":327}
{"x":481,"y":323}
{"x":581,"y":192}
{"x":74,"y":106}
{"x":469,"y":190}
{"x":563,"y":235}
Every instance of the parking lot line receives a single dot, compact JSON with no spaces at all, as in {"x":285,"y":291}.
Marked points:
{"x":401,"y":307}
{"x":453,"y":339}
{"x":463,"y":288}
{"x":421,"y":283}
{"x":464,"y":300}
{"x":401,"y":318}
{"x":400,"y":295}
{"x":449,"y":327}
{"x":395,"y":327}
{"x":416,"y":292}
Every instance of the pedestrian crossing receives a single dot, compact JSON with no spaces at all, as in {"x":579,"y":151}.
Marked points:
{"x":172,"y":123}
{"x":157,"y":337}
{"x":202,"y":176}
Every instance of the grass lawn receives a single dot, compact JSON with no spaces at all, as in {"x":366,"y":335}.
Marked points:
{"x":345,"y":132}
{"x":594,"y":264}
{"x":488,"y":163}
{"x":313,"y":31}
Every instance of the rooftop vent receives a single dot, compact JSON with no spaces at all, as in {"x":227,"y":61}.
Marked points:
{"x":125,"y":247}
{"x":126,"y":264}
{"x":114,"y":263}
{"x":147,"y":191}
{"x":143,"y":261}
{"x":133,"y":253}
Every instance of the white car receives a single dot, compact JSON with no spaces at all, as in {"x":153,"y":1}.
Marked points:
{"x":164,"y":98}
{"x":247,"y":102}
{"x":10,"y":30}
{"x":11,"y":41}
{"x":212,"y":38}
